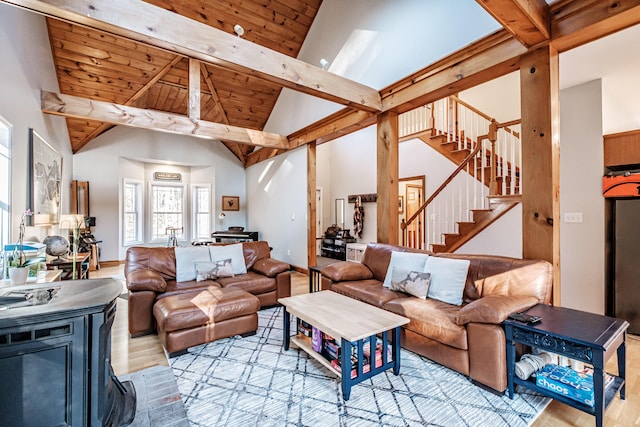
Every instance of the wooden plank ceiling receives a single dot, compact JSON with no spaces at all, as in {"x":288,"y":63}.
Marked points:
{"x":101,"y":66}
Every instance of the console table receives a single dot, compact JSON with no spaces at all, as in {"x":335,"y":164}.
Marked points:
{"x":82,"y":266}
{"x":588,"y":337}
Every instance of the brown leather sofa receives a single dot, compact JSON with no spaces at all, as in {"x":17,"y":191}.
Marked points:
{"x":468,"y":338}
{"x":151,"y":275}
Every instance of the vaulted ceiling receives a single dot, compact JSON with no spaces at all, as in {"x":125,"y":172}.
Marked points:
{"x":102,"y":66}
{"x":177,"y":66}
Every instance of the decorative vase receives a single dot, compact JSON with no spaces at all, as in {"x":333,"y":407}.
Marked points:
{"x":18,"y":275}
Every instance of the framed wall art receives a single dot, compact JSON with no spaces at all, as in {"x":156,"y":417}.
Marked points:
{"x":230,"y":203}
{"x":44,"y":181}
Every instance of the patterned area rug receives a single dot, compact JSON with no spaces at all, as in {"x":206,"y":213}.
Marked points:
{"x":253,"y":381}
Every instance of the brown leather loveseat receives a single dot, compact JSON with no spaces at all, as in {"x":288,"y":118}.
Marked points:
{"x":468,"y":338}
{"x":151,"y":275}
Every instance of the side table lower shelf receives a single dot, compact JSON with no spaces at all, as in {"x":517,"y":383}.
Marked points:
{"x":609,"y":393}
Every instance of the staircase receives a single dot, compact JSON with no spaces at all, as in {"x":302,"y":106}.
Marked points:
{"x":481,"y":219}
{"x":484,"y":186}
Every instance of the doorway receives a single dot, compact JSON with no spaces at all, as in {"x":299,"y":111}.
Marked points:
{"x":410,"y":198}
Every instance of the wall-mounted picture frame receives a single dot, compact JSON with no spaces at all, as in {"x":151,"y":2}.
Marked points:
{"x":44,"y":184}
{"x":400,"y":204}
{"x":230,"y":203}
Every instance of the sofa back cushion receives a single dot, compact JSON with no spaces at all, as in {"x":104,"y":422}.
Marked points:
{"x":497,"y":275}
{"x":378,"y":255}
{"x":163,"y":259}
{"x":487,"y":275}
{"x":160,"y":259}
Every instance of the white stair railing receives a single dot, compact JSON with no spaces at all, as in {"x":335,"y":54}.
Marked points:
{"x":464,"y":126}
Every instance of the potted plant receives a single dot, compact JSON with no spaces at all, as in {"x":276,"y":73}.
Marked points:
{"x":18,"y":266}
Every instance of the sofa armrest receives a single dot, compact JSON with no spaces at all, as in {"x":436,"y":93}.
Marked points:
{"x":146,"y":280}
{"x":270,"y":267}
{"x":493,"y":308}
{"x":345,"y":270}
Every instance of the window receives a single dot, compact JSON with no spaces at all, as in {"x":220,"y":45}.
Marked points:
{"x":167,"y":210}
{"x":201,"y":211}
{"x":132,"y":212}
{"x":5,"y":182}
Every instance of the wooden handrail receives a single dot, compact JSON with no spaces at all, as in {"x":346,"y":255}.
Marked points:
{"x":446,"y":182}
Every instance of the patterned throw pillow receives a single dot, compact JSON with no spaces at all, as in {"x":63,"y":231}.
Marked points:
{"x":213,"y":270}
{"x":414,"y":283}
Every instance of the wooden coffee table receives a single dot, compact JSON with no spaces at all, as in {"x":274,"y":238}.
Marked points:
{"x":353,"y":324}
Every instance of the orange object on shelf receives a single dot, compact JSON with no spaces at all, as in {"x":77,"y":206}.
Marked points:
{"x":621,"y":186}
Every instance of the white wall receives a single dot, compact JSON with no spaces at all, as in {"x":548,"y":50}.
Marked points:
{"x":27,"y":68}
{"x":582,"y":251}
{"x":122,"y":152}
{"x":277,"y":205}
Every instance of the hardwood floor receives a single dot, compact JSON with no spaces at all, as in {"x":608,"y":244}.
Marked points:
{"x":133,"y":354}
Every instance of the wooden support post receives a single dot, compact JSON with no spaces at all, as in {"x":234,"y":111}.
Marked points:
{"x":387,"y":155}
{"x":541,"y":159}
{"x":194,"y":89}
{"x":311,"y":204}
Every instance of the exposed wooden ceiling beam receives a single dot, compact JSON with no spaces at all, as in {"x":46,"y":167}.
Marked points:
{"x":336,"y":125}
{"x":149,"y":24}
{"x":527,"y":20}
{"x":81,"y":108}
{"x":576,"y":23}
{"x":484,"y":60}
{"x":194,"y":89}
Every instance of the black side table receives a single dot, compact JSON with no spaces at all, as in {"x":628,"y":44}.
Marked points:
{"x":579,"y":335}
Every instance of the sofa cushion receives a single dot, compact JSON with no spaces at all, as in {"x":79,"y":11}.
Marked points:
{"x":214,"y":269}
{"x":186,"y":259}
{"x":407,"y":260}
{"x":432,"y":319}
{"x":270,"y":267}
{"x":494,"y":308}
{"x":221,"y":252}
{"x":175,"y":288}
{"x":448,"y":277}
{"x":414,"y":283}
{"x":251,"y":282}
{"x":370,"y":291}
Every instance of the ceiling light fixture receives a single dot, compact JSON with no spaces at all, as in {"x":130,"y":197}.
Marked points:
{"x":324,"y":64}
{"x":238,"y":29}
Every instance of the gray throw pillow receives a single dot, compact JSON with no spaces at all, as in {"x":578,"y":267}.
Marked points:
{"x":414,"y":283}
{"x":213,"y":270}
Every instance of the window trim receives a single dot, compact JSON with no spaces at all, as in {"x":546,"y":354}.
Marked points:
{"x":194,"y":211}
{"x":5,"y":229}
{"x":140,"y":208}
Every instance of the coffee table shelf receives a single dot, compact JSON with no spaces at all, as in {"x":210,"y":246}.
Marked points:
{"x":304,"y":345}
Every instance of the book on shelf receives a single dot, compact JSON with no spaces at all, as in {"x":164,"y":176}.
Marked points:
{"x":569,"y":383}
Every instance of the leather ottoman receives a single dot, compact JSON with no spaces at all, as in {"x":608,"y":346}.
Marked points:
{"x":195,"y":318}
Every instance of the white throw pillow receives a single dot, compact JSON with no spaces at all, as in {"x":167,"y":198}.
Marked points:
{"x":448,"y":277}
{"x":234,"y":252}
{"x":405,"y":260}
{"x":186,"y":258}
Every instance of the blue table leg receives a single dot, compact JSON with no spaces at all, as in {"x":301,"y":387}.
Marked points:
{"x":622,"y":365}
{"x":511,"y":360}
{"x":286,"y":332}
{"x":345,"y":364}
{"x":396,"y":350}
